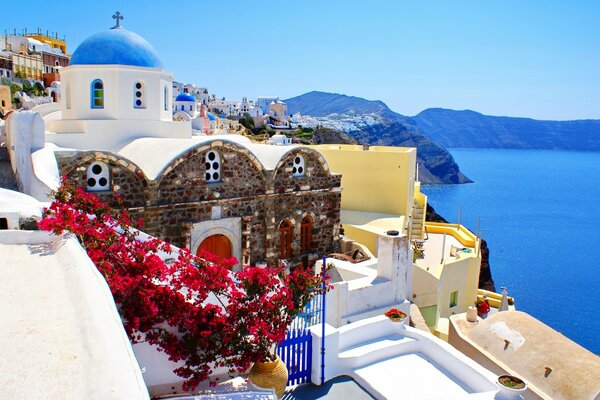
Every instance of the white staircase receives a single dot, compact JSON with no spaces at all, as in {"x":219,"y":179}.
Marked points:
{"x":417,"y":230}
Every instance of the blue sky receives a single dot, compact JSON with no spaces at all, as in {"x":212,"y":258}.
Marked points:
{"x":537,"y":59}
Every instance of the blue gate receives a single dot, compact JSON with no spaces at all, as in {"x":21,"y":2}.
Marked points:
{"x":296,"y":349}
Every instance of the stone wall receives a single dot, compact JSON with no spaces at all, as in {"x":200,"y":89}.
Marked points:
{"x":180,"y":198}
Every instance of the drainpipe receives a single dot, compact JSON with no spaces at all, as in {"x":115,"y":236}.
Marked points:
{"x":324,"y":273}
{"x":459,"y":210}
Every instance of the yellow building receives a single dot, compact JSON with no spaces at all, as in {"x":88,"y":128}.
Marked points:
{"x":379,"y":193}
{"x":28,"y":65}
{"x":378,"y":190}
{"x":53,"y":42}
{"x":446,"y":275}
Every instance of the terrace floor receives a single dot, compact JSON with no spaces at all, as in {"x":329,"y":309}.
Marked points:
{"x":340,"y":388}
{"x":433,"y":252}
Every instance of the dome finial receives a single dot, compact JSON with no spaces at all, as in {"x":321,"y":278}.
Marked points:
{"x":117,"y":17}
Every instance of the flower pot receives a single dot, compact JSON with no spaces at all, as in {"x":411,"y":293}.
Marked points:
{"x":270,"y":375}
{"x":397,"y":319}
{"x":511,"y":387}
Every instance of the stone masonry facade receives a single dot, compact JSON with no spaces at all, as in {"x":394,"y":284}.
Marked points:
{"x":180,"y":196}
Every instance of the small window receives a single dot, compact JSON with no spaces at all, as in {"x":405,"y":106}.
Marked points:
{"x":298,"y":168}
{"x":138,"y":95}
{"x":165,"y":98}
{"x":212,"y":162}
{"x":285,"y":239}
{"x":97,"y":94}
{"x":454,"y":298}
{"x":56,"y":63}
{"x":3,"y":103}
{"x":306,"y":234}
{"x":98,"y":177}
{"x":3,"y":223}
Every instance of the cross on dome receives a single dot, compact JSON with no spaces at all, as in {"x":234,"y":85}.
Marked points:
{"x":117,"y":17}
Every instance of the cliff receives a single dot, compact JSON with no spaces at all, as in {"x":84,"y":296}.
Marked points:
{"x":372,"y":122}
{"x":469,"y":129}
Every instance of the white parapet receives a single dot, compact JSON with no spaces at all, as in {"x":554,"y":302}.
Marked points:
{"x":379,"y":353}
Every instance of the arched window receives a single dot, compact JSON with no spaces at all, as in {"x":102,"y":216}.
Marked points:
{"x":212,"y":162}
{"x":98,"y":177}
{"x":298,"y":166}
{"x":306,"y":234}
{"x":285,"y":239}
{"x":138,"y":95}
{"x":97,"y":94}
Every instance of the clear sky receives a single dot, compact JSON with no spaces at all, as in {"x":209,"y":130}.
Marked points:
{"x":538,"y":59}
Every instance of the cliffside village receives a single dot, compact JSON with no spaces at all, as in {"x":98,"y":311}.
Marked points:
{"x":111,"y":119}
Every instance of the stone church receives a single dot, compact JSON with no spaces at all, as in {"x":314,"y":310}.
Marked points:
{"x":113,"y":132}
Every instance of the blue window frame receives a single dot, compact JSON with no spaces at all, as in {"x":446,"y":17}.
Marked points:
{"x":97,"y":94}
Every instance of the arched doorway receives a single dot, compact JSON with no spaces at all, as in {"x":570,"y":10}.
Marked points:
{"x":218,"y":245}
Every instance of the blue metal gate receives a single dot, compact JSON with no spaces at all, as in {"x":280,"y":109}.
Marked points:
{"x":296,"y":349}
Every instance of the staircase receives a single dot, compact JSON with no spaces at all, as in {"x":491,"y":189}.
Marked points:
{"x":7,"y":176}
{"x":417,"y":229}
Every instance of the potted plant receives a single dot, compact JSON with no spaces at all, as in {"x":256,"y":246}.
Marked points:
{"x":395,"y":315}
{"x":511,"y":386}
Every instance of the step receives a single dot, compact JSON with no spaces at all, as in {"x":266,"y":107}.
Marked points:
{"x":377,"y":349}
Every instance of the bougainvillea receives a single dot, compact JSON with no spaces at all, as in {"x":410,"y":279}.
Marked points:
{"x":194,"y":309}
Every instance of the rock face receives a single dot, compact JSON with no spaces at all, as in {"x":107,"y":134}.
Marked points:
{"x":331,"y":136}
{"x":373,"y":123}
{"x":485,"y":273}
{"x":471,"y":129}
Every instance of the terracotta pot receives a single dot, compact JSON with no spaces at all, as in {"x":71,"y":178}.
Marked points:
{"x":510,"y":392}
{"x":270,"y":375}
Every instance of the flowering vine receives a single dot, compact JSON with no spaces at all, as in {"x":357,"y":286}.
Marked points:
{"x":192,"y":308}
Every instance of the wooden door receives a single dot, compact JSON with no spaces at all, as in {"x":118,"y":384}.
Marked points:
{"x":218,"y":245}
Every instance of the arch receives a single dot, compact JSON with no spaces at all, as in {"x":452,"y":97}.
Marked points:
{"x":306,"y":228}
{"x":97,"y":94}
{"x":218,"y":245}
{"x":304,"y":150}
{"x":203,"y":147}
{"x":139,"y":101}
{"x":285,"y":239}
{"x":229,"y":227}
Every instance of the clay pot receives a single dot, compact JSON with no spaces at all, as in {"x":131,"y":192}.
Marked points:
{"x":270,"y":375}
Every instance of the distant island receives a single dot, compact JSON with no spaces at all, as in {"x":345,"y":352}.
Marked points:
{"x":471,"y":129}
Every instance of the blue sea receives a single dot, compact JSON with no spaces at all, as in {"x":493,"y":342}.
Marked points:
{"x":540,"y":214}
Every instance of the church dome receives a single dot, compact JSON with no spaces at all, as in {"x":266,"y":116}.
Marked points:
{"x":184,"y":97}
{"x":116,"y":46}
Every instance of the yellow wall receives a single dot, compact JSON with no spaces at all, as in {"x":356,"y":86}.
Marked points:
{"x":380,"y":179}
{"x":459,"y":232}
{"x":461,"y":275}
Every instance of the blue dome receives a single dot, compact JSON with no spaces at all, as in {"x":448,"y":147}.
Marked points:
{"x":116,"y":46}
{"x":211,"y":116}
{"x":184,"y":97}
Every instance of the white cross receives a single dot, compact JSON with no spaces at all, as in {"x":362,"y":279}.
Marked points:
{"x":118,"y":17}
